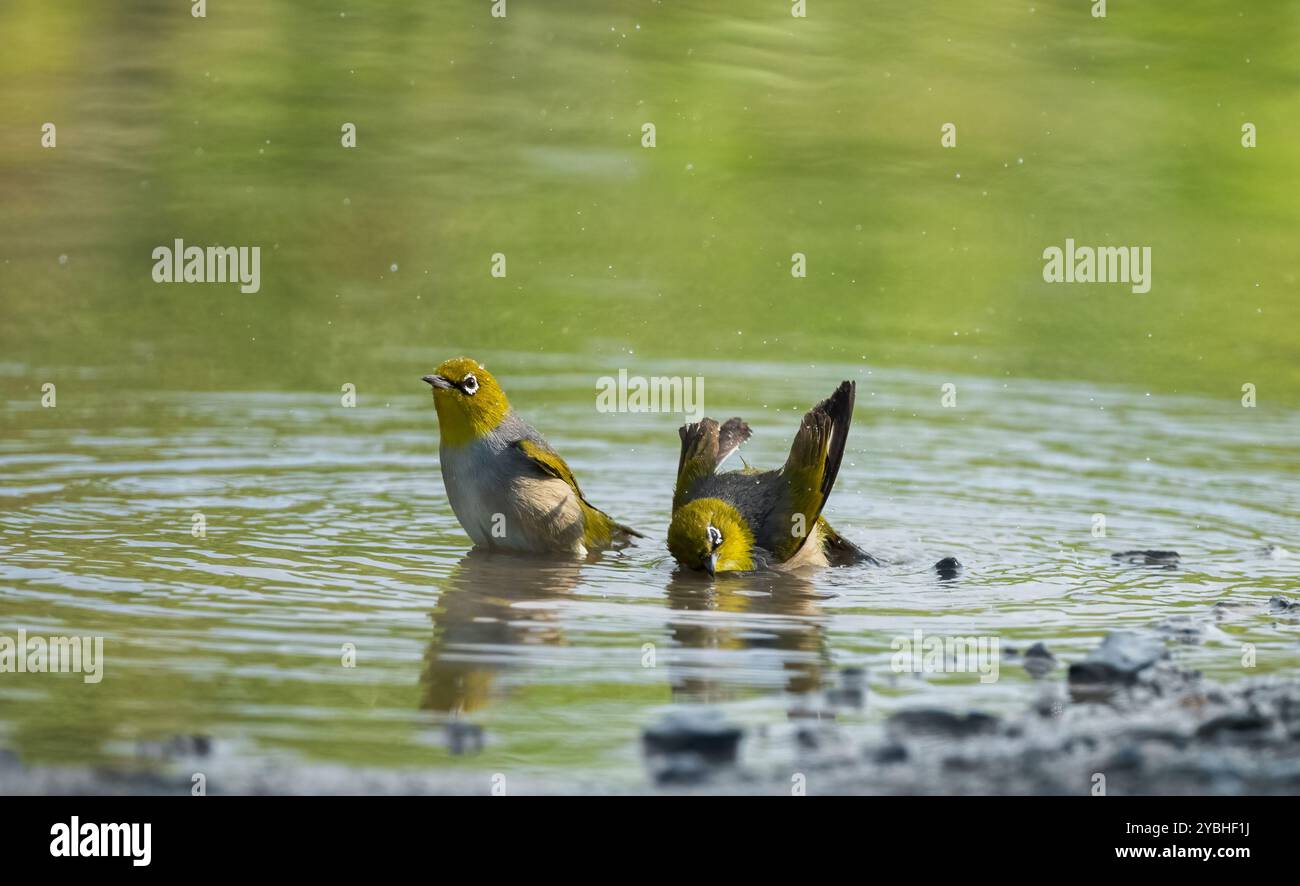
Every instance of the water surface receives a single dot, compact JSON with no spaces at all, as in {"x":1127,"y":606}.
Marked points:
{"x":327,"y":526}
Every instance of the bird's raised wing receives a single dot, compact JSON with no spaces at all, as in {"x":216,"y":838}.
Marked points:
{"x":809,"y":472}
{"x":705,"y":446}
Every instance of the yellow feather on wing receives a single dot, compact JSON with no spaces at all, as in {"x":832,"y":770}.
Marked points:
{"x":811,"y":468}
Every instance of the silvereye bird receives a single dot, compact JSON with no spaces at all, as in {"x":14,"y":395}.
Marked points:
{"x":752,"y":519}
{"x":508,"y":488}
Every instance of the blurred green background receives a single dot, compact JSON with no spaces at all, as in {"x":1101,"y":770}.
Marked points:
{"x":774,"y":135}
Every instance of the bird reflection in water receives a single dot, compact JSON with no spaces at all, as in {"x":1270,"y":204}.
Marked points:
{"x":717,"y":624}
{"x":480,"y":624}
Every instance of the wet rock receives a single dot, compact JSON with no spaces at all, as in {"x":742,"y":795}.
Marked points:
{"x":1244,"y":728}
{"x":462,"y":736}
{"x":890,"y":753}
{"x":1150,"y":738}
{"x":1163,"y":559}
{"x":936,"y":721}
{"x":1120,"y":658}
{"x":683,"y":770}
{"x":1147,"y":735}
{"x":1039,"y":661}
{"x":175,"y":746}
{"x":808,"y":738}
{"x":1183,"y":628}
{"x":689,"y":743}
{"x":948,"y":568}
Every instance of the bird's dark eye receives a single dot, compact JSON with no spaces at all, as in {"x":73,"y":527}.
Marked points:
{"x":715,"y":538}
{"x":469,"y":384}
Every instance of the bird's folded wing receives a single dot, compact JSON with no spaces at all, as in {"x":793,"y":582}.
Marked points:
{"x":599,"y":525}
{"x":705,"y":446}
{"x":548,"y":461}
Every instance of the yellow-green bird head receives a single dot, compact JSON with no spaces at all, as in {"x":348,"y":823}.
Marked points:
{"x":469,"y":401}
{"x":711,"y":535}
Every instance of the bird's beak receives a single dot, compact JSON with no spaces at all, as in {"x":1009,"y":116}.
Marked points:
{"x":710,"y":564}
{"x":437,"y":381}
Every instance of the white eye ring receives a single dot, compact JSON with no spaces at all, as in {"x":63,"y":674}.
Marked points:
{"x":715,"y":537}
{"x":469,"y":385}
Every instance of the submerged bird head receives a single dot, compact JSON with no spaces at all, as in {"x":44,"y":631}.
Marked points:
{"x":711,"y":535}
{"x":470,"y":403}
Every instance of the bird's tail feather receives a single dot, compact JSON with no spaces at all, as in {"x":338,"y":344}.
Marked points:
{"x":628,"y":531}
{"x":842,"y":552}
{"x":601,"y":529}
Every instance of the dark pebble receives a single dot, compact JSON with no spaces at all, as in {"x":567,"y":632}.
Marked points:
{"x":693,"y":731}
{"x":853,"y":678}
{"x":1165,"y":559}
{"x":1039,"y":661}
{"x":948,"y":568}
{"x":462,"y":736}
{"x":683,"y":769}
{"x":808,"y":738}
{"x":1120,"y":658}
{"x":935,"y":721}
{"x":1235,"y":728}
{"x":890,"y":753}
